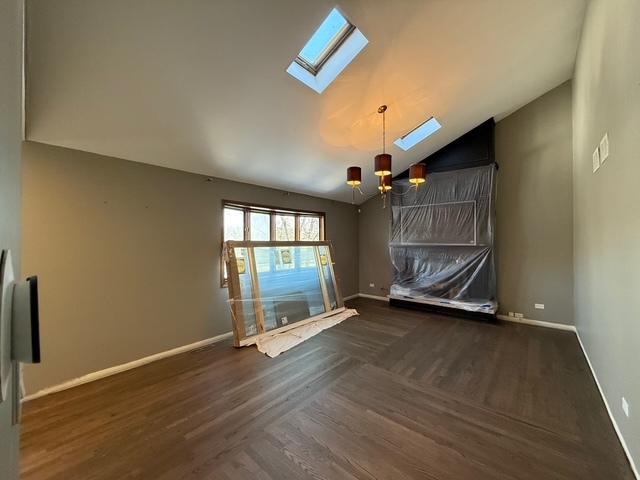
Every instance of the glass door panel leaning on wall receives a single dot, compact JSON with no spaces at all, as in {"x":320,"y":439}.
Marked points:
{"x":275,"y":286}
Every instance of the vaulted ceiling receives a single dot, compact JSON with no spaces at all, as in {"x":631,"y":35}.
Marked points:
{"x":201,"y":86}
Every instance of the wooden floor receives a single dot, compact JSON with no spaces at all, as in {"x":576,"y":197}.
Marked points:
{"x":392,"y":394}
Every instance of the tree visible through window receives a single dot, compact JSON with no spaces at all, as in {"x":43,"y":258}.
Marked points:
{"x":233,"y":224}
{"x":285,"y":228}
{"x":260,"y":226}
{"x":310,"y":229}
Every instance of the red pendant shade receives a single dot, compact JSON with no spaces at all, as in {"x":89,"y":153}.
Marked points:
{"x":354,"y":176}
{"x":418,"y":173}
{"x":383,"y":164}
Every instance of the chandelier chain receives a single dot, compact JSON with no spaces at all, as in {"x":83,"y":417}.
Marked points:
{"x":384,"y":132}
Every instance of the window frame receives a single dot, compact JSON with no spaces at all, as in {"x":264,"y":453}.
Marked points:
{"x":328,"y":50}
{"x":247,"y":208}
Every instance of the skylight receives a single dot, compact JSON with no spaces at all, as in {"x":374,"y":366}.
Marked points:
{"x":329,"y":36}
{"x":418,"y":134}
{"x":330,"y":49}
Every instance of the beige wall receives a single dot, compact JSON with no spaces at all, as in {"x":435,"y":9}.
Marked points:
{"x":374,"y":261}
{"x":534,"y":225}
{"x":606,"y":98}
{"x":128,"y":256}
{"x":10,"y":138}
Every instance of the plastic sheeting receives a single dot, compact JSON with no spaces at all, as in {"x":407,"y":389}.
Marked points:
{"x":442,"y":240}
{"x":274,"y":345}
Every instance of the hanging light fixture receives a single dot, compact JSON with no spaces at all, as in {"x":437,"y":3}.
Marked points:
{"x":354,"y":180}
{"x":382,"y":167}
{"x":354,"y":176}
{"x":417,"y":174}
{"x":385,"y":184}
{"x":382,"y":161}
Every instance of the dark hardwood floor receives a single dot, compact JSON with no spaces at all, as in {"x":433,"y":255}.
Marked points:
{"x":391,"y":394}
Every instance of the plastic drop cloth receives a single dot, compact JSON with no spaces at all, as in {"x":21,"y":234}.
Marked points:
{"x":442,"y":240}
{"x":275,"y":344}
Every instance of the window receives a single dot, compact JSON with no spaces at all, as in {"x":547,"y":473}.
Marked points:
{"x":285,"y":228}
{"x":310,"y":229}
{"x":331,"y":48}
{"x":233,"y":224}
{"x":261,"y":223}
{"x":332,"y":32}
{"x":418,"y":134}
{"x":260,"y":226}
{"x":280,"y":285}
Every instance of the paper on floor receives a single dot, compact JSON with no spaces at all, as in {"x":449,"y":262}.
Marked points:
{"x":281,"y":342}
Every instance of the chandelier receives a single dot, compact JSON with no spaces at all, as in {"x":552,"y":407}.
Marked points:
{"x":382,"y":168}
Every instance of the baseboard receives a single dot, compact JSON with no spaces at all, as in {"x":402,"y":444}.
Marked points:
{"x":538,"y":323}
{"x":351,"y":297}
{"x":606,"y":404}
{"x":374,"y":297}
{"x":526,"y":321}
{"x":107,"y":372}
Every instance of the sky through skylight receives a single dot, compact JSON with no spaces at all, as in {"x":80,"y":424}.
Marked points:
{"x":332,"y":27}
{"x":418,"y":134}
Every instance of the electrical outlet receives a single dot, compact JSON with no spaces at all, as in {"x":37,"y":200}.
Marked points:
{"x":604,"y":148}
{"x":518,"y":315}
{"x":372,"y":285}
{"x":625,"y":406}
{"x":539,"y":306}
{"x":595,"y":158}
{"x":284,"y":321}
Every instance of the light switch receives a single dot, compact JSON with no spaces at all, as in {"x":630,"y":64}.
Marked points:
{"x":596,"y":159}
{"x":604,"y":148}
{"x":625,"y":406}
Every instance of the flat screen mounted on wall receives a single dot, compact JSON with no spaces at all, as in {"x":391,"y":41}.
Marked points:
{"x":442,"y":230}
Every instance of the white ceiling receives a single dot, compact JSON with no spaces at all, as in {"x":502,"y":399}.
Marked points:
{"x":200,"y":85}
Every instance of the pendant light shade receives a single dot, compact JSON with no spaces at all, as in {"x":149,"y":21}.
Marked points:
{"x":383,"y":164}
{"x":385,"y":183}
{"x":418,"y":173}
{"x":354,"y":176}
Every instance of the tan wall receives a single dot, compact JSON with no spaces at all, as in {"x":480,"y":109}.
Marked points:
{"x":375,"y":263}
{"x":10,"y":138}
{"x":606,"y":98}
{"x":534,"y":225}
{"x":128,"y":256}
